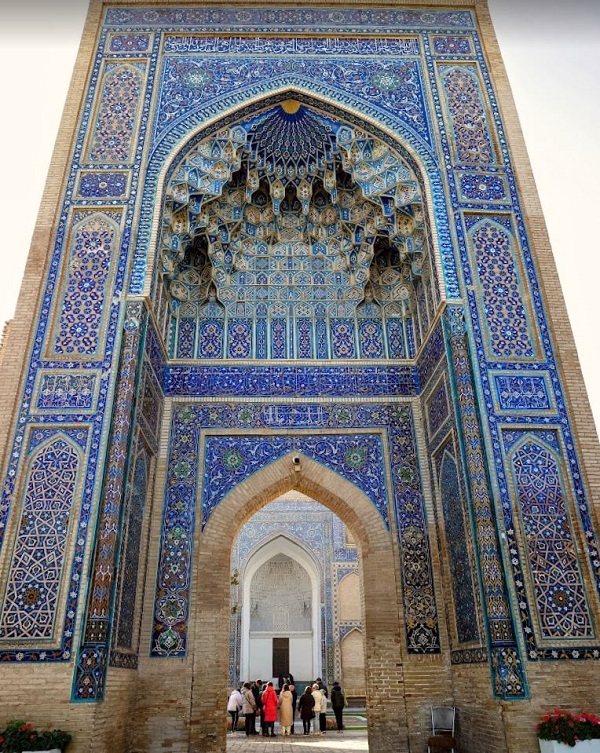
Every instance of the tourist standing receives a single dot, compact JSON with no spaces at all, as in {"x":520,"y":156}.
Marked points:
{"x":286,"y":712}
{"x":234,"y":706}
{"x":306,"y":705}
{"x":256,"y":691}
{"x":338,"y":701}
{"x":294,"y":693}
{"x":269,"y":709}
{"x":249,"y":709}
{"x":323,"y":712}
{"x":316,"y":694}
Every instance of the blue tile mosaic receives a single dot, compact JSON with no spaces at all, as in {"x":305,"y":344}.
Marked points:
{"x":160,"y":75}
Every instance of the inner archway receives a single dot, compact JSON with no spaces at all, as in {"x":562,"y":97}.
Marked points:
{"x":385,"y":704}
{"x":281,"y":598}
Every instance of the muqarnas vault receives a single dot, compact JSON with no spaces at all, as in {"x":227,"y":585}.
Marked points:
{"x":284,"y":251}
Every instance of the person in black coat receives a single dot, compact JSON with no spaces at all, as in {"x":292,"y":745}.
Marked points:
{"x":256,"y":688}
{"x":306,"y":704}
{"x":338,"y":701}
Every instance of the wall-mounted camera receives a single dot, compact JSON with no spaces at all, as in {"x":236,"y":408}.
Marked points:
{"x":296,"y":462}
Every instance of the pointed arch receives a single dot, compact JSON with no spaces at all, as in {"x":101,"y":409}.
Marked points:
{"x":281,"y":544}
{"x":197,"y":125}
{"x":212,"y":593}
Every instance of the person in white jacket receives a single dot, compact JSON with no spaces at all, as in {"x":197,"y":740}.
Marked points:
{"x":234,"y":706}
{"x":316,"y":694}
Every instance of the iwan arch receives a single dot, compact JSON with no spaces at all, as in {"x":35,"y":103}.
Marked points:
{"x":286,"y":249}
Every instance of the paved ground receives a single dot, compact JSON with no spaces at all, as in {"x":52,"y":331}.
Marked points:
{"x":329,"y":742}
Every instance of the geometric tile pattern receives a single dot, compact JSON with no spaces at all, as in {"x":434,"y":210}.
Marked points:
{"x":500,"y":290}
{"x":92,"y":660}
{"x":36,"y":570}
{"x":285,"y":19}
{"x":460,"y":567}
{"x":103,"y":184}
{"x":559,"y":590}
{"x":228,"y":461}
{"x":469,"y":124}
{"x":507,"y":666}
{"x":93,"y":248}
{"x":130,"y":556}
{"x":112,"y":140}
{"x":54,"y":536}
{"x":129,"y":42}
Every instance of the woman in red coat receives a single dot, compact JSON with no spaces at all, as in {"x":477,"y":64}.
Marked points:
{"x":269,"y":708}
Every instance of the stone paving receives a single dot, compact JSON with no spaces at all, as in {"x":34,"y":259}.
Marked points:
{"x":329,"y":742}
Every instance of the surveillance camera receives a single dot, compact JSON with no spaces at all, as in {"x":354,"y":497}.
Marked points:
{"x":296,"y":460}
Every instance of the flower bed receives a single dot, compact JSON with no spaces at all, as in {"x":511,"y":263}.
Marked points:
{"x":20,"y":736}
{"x":567,"y":728}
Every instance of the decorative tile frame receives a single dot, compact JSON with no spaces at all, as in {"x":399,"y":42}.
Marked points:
{"x":232,"y":453}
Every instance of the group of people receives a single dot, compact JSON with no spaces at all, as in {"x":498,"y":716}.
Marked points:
{"x":261,"y":700}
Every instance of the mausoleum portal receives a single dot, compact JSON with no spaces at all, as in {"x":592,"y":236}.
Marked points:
{"x":291,"y":384}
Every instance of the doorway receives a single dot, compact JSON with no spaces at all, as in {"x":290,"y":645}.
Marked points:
{"x":281,"y":657}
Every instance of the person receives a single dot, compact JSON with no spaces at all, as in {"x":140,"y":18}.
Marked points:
{"x":256,"y":693}
{"x":322,"y":686}
{"x":263,"y":723}
{"x":269,"y":709}
{"x":249,"y":709}
{"x":286,"y":712}
{"x":306,"y":705}
{"x":294,"y":693}
{"x":316,"y":694}
{"x":338,"y":701}
{"x":234,"y":706}
{"x":323,"y":712}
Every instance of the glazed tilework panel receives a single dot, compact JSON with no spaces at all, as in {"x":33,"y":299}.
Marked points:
{"x":292,"y":380}
{"x":30,"y":602}
{"x":60,"y":391}
{"x":437,"y":407}
{"x":552,"y":583}
{"x":290,"y":338}
{"x":501,"y":290}
{"x":229,"y":458}
{"x":461,"y":572}
{"x":92,"y":660}
{"x":466,"y":109}
{"x":39,"y":602}
{"x":523,"y":392}
{"x":125,"y":633}
{"x":103,"y":184}
{"x":394,"y":85}
{"x":228,"y":461}
{"x":509,"y":680}
{"x":80,"y":326}
{"x":117,"y":114}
